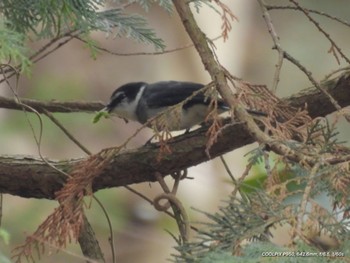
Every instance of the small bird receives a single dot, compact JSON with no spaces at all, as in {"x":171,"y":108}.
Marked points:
{"x":140,"y":101}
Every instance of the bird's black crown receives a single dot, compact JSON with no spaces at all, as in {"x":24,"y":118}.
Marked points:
{"x":129,"y":91}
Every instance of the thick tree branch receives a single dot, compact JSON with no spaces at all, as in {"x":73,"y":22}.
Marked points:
{"x":31,"y":177}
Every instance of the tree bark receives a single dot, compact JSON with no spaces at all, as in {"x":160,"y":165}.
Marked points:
{"x":29,"y":176}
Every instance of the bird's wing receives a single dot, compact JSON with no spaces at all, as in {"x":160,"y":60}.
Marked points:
{"x":169,"y":93}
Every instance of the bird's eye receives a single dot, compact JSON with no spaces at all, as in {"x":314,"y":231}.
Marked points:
{"x":120,"y":96}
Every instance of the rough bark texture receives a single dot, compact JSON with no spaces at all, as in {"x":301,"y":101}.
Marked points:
{"x":28,"y":176}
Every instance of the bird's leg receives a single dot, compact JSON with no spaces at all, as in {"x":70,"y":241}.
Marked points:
{"x":187,"y":131}
{"x":149,"y":141}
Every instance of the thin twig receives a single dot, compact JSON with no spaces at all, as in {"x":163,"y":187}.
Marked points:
{"x":59,"y":45}
{"x":1,"y":206}
{"x":66,"y":132}
{"x":179,"y":212}
{"x":228,"y":170}
{"x":152,"y":203}
{"x":52,"y":106}
{"x":283,"y":54}
{"x":329,"y":75}
{"x":39,"y":138}
{"x":306,"y":195}
{"x":241,"y":179}
{"x":110,"y":228}
{"x":275,"y":7}
{"x":176,"y":205}
{"x":146,"y":199}
{"x":276,"y":41}
{"x":321,"y":30}
{"x":315,"y":82}
{"x":24,"y":108}
{"x":34,"y":58}
{"x":267,"y":164}
{"x":13,"y":69}
{"x":143,"y":53}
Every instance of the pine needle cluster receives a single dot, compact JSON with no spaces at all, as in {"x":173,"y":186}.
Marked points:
{"x":23,"y":21}
{"x":290,"y":198}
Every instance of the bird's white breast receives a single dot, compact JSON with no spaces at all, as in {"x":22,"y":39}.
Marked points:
{"x":179,"y":119}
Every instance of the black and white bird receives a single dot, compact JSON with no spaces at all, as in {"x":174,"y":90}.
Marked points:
{"x":140,"y":101}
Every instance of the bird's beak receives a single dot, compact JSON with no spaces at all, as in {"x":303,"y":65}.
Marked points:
{"x":109,"y":110}
{"x":106,"y":109}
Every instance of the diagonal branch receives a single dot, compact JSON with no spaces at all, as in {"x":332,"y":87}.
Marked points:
{"x":28,"y":176}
